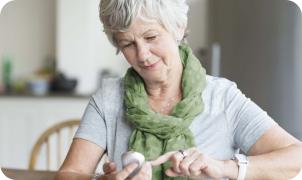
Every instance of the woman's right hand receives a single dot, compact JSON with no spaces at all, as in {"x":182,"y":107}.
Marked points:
{"x":111,"y":173}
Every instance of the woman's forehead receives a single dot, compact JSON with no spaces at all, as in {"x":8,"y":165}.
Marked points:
{"x":139,"y":28}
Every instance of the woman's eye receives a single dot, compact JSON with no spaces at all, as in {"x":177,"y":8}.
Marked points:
{"x":151,"y":37}
{"x":127,"y":45}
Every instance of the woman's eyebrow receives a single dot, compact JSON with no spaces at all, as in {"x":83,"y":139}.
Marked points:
{"x":124,"y":38}
{"x":127,"y":39}
{"x":123,"y":41}
{"x":148,"y":31}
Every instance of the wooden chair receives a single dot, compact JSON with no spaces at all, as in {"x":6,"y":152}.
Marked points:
{"x":44,"y":141}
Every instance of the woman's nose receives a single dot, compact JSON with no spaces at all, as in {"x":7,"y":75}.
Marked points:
{"x":143,"y":51}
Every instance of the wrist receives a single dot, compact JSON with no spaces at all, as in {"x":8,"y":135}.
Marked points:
{"x":231,"y":169}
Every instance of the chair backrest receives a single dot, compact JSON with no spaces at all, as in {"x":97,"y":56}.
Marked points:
{"x":44,"y":141}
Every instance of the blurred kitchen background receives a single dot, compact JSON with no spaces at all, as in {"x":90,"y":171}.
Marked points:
{"x":54,"y":54}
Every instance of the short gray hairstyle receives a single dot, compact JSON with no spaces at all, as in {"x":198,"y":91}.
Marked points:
{"x":117,"y":15}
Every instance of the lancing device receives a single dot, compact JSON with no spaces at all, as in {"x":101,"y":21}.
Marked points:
{"x":133,"y":157}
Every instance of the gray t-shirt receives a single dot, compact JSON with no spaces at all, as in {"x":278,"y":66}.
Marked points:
{"x":229,"y":122}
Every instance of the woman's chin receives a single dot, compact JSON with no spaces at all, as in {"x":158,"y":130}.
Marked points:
{"x":156,"y":79}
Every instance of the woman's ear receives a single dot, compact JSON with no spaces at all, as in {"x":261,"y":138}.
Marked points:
{"x":181,"y":33}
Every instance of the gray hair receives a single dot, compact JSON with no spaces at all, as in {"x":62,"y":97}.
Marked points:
{"x":117,"y":15}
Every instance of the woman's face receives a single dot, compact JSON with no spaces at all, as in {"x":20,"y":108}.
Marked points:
{"x":150,"y":50}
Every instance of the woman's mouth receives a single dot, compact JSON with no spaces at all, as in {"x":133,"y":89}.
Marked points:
{"x":151,"y":66}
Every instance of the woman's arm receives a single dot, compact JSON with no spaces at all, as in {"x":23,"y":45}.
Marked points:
{"x":275,"y":155}
{"x":81,"y":160}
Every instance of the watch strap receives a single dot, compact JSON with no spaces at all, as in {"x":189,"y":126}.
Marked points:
{"x":242,"y":162}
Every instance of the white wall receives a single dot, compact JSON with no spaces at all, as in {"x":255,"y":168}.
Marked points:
{"x":298,"y":72}
{"x":82,"y":47}
{"x":259,"y":52}
{"x":198,"y":24}
{"x":27,"y":34}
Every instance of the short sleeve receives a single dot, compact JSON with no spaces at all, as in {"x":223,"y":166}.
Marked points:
{"x":93,"y":127}
{"x":248,"y":121}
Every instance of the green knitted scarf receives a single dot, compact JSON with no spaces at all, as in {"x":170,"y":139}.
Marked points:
{"x":154,"y":133}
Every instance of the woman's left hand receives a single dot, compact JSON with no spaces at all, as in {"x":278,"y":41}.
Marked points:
{"x":110,"y":172}
{"x":194,"y":165}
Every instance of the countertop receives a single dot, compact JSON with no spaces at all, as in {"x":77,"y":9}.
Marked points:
{"x":49,"y":95}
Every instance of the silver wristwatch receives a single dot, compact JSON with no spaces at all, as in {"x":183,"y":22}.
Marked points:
{"x":242,"y":163}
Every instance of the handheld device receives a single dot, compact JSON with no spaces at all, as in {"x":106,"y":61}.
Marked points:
{"x":133,"y":157}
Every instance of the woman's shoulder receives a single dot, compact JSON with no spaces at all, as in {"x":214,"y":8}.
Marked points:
{"x":218,"y":83}
{"x":218,"y":90}
{"x":109,"y":84}
{"x":110,"y":91}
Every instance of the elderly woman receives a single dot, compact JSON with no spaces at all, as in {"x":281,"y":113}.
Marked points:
{"x":188,"y":125}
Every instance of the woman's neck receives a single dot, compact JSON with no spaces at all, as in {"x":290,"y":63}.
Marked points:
{"x":163,"y":95}
{"x":169,"y":88}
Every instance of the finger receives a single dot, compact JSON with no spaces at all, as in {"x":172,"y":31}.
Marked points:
{"x":197,"y":166}
{"x":127,"y":171}
{"x":148,"y":168}
{"x":171,"y":173}
{"x":199,"y":175}
{"x":107,"y":160}
{"x":179,"y":157}
{"x":176,"y":159}
{"x":109,"y":167}
{"x":165,"y":157}
{"x":162,"y":159}
{"x":186,"y":162}
{"x":144,"y":173}
{"x":106,"y":167}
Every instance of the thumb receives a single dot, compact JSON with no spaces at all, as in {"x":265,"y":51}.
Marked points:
{"x":109,"y":167}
